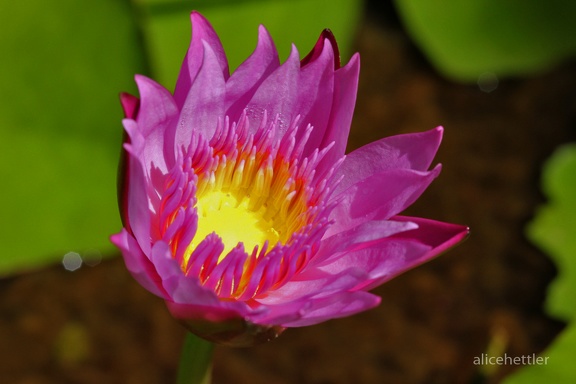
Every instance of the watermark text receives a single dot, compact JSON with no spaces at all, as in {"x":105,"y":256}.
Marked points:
{"x":533,"y":359}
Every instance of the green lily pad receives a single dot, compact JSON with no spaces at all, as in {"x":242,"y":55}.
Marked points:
{"x":465,"y":39}
{"x":553,"y":231}
{"x":63,"y":65}
{"x":558,"y":364}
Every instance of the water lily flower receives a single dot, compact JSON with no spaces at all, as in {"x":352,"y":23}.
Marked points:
{"x":240,"y":208}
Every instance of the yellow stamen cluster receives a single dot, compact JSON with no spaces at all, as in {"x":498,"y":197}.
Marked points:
{"x":251,"y":197}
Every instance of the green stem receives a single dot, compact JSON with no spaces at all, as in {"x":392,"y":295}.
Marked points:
{"x":195,"y":361}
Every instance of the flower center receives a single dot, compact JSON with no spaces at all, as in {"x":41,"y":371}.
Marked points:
{"x":246,"y":190}
{"x":233,"y":220}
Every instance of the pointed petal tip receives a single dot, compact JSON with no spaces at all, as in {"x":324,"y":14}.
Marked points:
{"x":460,"y":234}
{"x":197,"y":17}
{"x":354,"y":60}
{"x":463,"y":233}
{"x":440,"y":236}
{"x":265,"y":39}
{"x":130,"y":105}
{"x":433,"y":135}
{"x":262,"y":30}
{"x":325,"y":35}
{"x":118,"y":239}
{"x":146,"y":85}
{"x":141,"y":79}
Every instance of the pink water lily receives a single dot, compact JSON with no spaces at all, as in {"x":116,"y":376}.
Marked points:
{"x":239,"y":207}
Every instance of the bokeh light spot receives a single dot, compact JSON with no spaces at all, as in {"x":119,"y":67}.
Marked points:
{"x":487,"y":82}
{"x":72,"y":261}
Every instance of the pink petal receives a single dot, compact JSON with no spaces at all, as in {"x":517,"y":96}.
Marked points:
{"x":409,"y":151}
{"x":398,"y":253}
{"x":381,"y":262}
{"x":291,"y":91}
{"x":179,"y":287}
{"x":204,"y":103}
{"x":333,"y":307}
{"x":343,"y":102}
{"x":361,"y":236}
{"x":277,"y":95}
{"x":246,"y":79}
{"x":278,"y":314}
{"x":314,"y":103}
{"x":138,"y":264}
{"x":157,"y":107}
{"x":436,"y":234}
{"x":314,"y":283}
{"x":187,"y":290}
{"x":325,"y":36}
{"x":202,"y":32}
{"x":156,"y":122}
{"x":379,"y":197}
{"x":130,"y":105}
{"x":137,"y":205}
